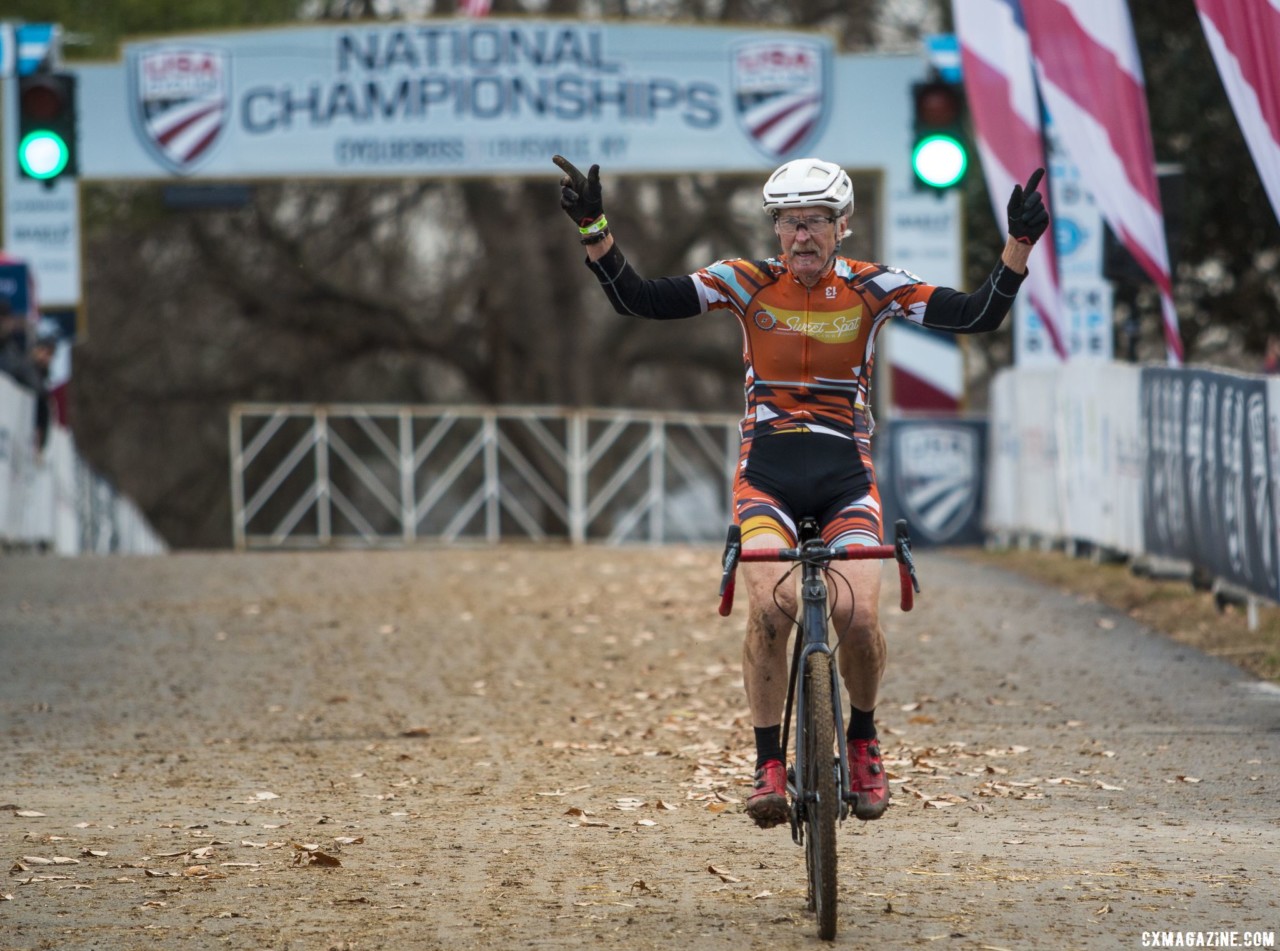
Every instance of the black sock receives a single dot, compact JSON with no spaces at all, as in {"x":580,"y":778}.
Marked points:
{"x":768,"y":744}
{"x":862,"y":725}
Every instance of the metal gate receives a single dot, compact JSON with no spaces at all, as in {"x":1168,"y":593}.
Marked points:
{"x":308,"y":476}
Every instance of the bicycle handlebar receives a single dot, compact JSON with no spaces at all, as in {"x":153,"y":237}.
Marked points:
{"x":900,"y":551}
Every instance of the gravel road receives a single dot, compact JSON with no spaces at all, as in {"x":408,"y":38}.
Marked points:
{"x":530,"y":747}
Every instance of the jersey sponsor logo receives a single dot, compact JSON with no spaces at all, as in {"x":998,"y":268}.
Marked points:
{"x":936,"y":477}
{"x":781,"y":92}
{"x":181,"y":102}
{"x":765,"y":320}
{"x":838,"y":328}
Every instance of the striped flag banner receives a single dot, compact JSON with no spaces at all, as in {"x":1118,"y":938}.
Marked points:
{"x":1091,"y":80}
{"x":1244,"y":36}
{"x":1000,"y":87}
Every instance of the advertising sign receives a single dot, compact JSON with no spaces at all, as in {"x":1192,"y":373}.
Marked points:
{"x":931,"y":472}
{"x":1208,"y":491}
{"x":449,"y":97}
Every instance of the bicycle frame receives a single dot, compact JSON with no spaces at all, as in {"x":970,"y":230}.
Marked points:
{"x":815,"y":556}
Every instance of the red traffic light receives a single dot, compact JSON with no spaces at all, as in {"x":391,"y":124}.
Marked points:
{"x":44,"y":98}
{"x":938,"y":104}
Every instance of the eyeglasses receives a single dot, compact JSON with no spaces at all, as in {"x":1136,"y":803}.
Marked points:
{"x":814,"y":224}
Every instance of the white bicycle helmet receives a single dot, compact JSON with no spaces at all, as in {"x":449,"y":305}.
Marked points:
{"x":809,"y":181}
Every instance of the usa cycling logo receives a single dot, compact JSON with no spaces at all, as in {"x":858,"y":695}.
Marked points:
{"x":781,"y":90}
{"x":936,"y":477}
{"x":181,"y":102}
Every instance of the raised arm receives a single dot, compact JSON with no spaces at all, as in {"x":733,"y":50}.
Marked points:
{"x":665,"y":298}
{"x":985,"y":308}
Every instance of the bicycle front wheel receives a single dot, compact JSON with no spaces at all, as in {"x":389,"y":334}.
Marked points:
{"x":822,"y":811}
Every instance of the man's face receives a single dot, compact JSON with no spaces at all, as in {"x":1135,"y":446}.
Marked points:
{"x":808,"y":237}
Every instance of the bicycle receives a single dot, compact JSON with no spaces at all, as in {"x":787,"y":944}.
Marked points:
{"x":818,"y":780}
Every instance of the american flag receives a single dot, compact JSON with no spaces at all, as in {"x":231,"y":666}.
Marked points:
{"x":1244,"y":36}
{"x":474,"y":8}
{"x":1001,"y":90}
{"x":1091,"y":80}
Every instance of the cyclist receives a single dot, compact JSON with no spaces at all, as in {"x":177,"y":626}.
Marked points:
{"x":809,"y":319}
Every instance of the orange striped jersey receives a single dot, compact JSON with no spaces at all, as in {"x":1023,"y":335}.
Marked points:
{"x":808,"y":351}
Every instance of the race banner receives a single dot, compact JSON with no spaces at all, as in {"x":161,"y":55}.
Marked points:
{"x":931,"y":472}
{"x":469,"y":96}
{"x":1208,"y":493}
{"x":483,"y":96}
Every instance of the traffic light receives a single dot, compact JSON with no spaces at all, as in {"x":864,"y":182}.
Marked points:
{"x":47,"y":126}
{"x":940,"y":146}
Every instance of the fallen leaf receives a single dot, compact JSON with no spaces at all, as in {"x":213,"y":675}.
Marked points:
{"x":760,"y":895}
{"x":723,"y":875}
{"x":349,"y":840}
{"x":639,"y":886}
{"x":29,"y":814}
{"x":645,"y":822}
{"x":1188,"y":779}
{"x":96,"y":853}
{"x":311,"y":855}
{"x":417,"y":731}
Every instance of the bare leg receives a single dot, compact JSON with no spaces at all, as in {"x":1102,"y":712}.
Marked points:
{"x":764,"y":649}
{"x":862,"y":650}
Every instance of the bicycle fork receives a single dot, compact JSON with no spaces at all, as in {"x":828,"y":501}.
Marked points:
{"x":811,"y":639}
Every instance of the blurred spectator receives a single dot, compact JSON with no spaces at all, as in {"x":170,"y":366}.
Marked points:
{"x":13,"y":344}
{"x":1271,"y":359}
{"x":41,"y":358}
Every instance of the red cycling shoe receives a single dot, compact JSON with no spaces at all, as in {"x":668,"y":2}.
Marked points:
{"x":768,"y":804}
{"x":867,"y":778}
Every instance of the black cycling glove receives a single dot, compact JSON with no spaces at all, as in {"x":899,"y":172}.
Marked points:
{"x":581,"y":200}
{"x":1028,"y":217}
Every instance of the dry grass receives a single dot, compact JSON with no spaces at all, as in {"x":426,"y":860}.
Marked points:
{"x":1172,"y":607}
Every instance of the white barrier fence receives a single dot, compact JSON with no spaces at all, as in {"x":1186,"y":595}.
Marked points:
{"x":52,"y":499}
{"x":305,"y":476}
{"x":1180,"y":464}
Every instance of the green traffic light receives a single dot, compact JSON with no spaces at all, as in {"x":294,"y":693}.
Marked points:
{"x":43,"y":154}
{"x":939,"y":161}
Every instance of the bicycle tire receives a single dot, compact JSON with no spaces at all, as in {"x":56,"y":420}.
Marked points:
{"x":820,"y":779}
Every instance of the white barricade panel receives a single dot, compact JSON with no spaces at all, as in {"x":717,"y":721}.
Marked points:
{"x":1101,"y":460}
{"x":1273,"y":455}
{"x":1003,"y":457}
{"x":1119,"y":397}
{"x":61,"y":456}
{"x":17,"y":431}
{"x":1035,"y":401}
